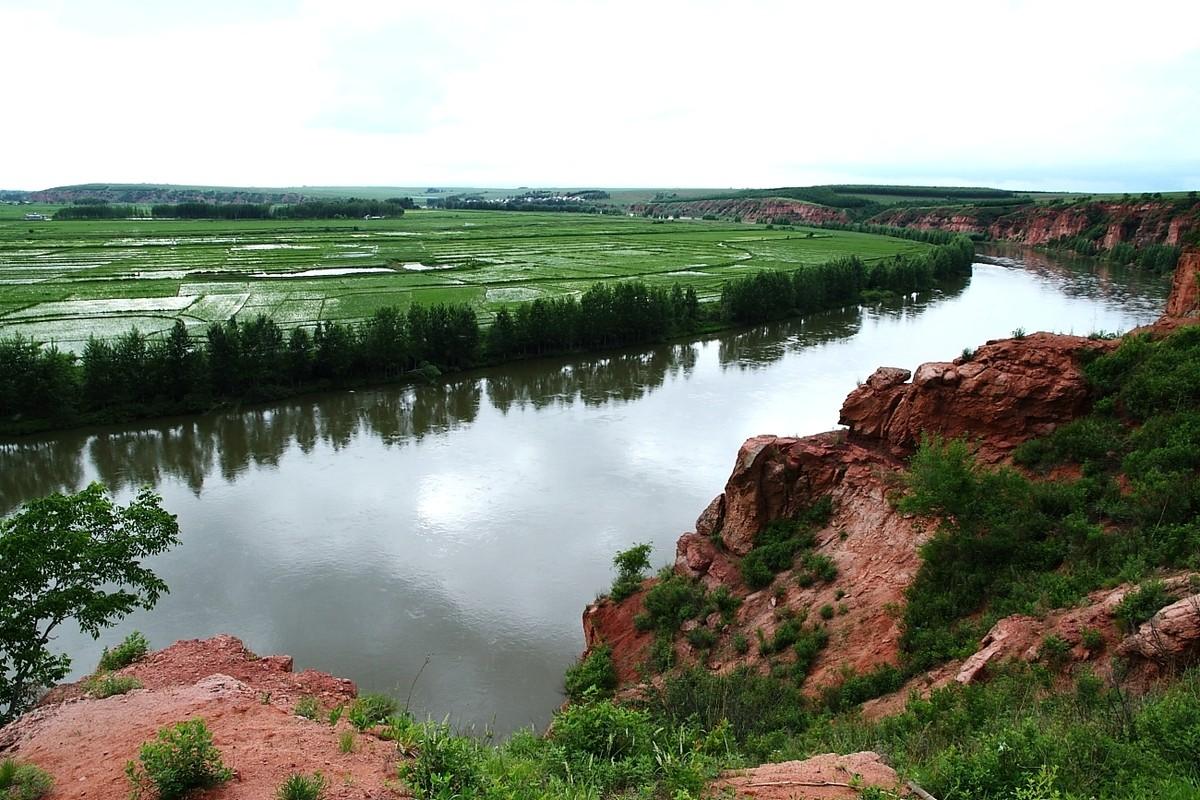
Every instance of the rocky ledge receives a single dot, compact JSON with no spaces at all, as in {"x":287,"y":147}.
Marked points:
{"x":248,"y":704}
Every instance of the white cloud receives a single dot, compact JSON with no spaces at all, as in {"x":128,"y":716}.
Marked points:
{"x":1048,"y":94}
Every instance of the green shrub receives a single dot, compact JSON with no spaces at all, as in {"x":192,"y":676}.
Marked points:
{"x":371,"y":709}
{"x":1140,"y":604}
{"x":855,"y":689}
{"x":776,"y":545}
{"x":102,"y":686}
{"x":307,"y":707}
{"x":133,"y":647}
{"x":346,"y":742}
{"x":1084,"y":440}
{"x":827,"y":612}
{"x":1054,"y":650}
{"x":671,"y":602}
{"x":784,"y":637}
{"x":749,"y":703}
{"x":741,"y":645}
{"x":820,"y":566}
{"x":593,"y":676}
{"x":446,"y":765}
{"x":702,"y":637}
{"x":335,"y":714}
{"x":724,"y":602}
{"x":180,"y":759}
{"x":299,"y":786}
{"x":808,"y":646}
{"x":662,"y":653}
{"x":631,"y":567}
{"x":404,"y":731}
{"x":1092,"y":640}
{"x":602,"y":730}
{"x":23,"y":781}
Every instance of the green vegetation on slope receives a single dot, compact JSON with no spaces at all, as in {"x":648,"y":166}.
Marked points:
{"x":1009,"y":544}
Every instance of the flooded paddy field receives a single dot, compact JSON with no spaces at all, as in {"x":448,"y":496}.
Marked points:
{"x":64,"y":281}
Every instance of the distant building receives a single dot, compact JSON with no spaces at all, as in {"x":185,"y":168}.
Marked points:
{"x":36,"y":217}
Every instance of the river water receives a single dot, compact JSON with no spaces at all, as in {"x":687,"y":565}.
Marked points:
{"x":468,"y":524}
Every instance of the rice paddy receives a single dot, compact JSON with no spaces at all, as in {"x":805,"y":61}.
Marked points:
{"x":65,"y":281}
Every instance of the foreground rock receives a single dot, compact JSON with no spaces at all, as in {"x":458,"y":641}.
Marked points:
{"x":247,"y":703}
{"x":823,"y":777}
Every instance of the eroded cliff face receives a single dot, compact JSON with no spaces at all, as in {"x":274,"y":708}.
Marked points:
{"x":1140,"y":224}
{"x":1184,"y":302}
{"x":1006,"y":392}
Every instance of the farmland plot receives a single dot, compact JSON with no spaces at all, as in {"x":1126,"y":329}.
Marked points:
{"x":64,"y":281}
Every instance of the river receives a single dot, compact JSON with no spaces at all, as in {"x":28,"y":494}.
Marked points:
{"x":467,"y":524}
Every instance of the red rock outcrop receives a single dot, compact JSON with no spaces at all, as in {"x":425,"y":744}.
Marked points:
{"x":611,"y":623}
{"x":823,"y":777}
{"x":1170,"y":637}
{"x":1009,"y":391}
{"x":1184,"y":301}
{"x":247,"y":703}
{"x":873,"y":546}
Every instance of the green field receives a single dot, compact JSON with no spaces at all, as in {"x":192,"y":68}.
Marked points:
{"x":64,"y":281}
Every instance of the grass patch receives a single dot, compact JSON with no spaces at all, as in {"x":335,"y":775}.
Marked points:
{"x":131,"y":648}
{"x":371,"y":709}
{"x":307,"y":707}
{"x":107,"y":685}
{"x":299,"y":786}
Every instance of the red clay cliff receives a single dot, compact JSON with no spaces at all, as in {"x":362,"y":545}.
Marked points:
{"x":1003,"y":394}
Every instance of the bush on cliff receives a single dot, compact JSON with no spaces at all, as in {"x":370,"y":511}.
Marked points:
{"x":131,"y":648}
{"x":591,"y":677}
{"x":776,"y":546}
{"x":180,"y":759}
{"x":631,"y":567}
{"x":23,"y":781}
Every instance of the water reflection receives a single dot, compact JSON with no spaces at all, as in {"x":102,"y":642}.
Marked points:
{"x":1081,"y":276}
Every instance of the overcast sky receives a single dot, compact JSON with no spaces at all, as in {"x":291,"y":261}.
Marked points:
{"x":1053,"y":95}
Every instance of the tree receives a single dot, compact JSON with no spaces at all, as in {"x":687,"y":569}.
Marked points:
{"x":78,"y":557}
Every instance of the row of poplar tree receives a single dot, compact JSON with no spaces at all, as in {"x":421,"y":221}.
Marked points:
{"x":137,"y":375}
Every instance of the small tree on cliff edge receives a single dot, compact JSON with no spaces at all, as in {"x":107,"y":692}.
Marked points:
{"x":78,"y":557}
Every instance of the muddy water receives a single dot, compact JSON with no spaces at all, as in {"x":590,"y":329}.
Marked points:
{"x":468,"y":524}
